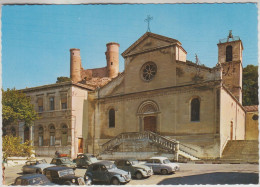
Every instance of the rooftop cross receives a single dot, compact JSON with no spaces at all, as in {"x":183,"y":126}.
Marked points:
{"x":148,"y":19}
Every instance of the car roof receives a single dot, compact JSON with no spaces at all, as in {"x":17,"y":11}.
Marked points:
{"x":104,"y":162}
{"x":57,"y":168}
{"x":159,"y":157}
{"x":130,"y":159}
{"x":30,"y":176}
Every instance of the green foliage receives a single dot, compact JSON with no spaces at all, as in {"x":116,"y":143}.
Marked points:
{"x":250,"y":85}
{"x":12,"y":146}
{"x":17,"y":107}
{"x":62,"y":79}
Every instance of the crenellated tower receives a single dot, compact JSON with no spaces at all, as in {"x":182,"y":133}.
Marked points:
{"x":230,"y":58}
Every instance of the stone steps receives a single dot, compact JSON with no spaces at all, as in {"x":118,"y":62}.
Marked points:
{"x":241,"y":151}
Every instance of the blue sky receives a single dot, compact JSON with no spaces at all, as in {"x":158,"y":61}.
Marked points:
{"x":36,"y":38}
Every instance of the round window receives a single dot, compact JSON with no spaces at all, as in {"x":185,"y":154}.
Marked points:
{"x":255,"y":117}
{"x":148,"y":71}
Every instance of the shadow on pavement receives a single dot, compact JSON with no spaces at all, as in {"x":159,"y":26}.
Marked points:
{"x":215,"y":178}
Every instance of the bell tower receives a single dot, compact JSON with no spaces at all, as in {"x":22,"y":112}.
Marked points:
{"x":230,"y":58}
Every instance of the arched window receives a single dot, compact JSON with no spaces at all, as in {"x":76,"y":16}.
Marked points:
{"x":64,"y":135}
{"x":228,"y":53}
{"x":111,"y":118}
{"x":195,"y":109}
{"x":52,"y":135}
{"x":13,"y":132}
{"x":40,"y":133}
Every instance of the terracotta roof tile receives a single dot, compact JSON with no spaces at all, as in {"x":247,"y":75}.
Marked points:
{"x":251,"y":108}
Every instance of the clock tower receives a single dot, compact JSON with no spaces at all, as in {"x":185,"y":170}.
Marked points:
{"x":230,"y":58}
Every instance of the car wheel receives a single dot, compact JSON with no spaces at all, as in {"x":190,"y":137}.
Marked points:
{"x":138,"y":175}
{"x":164,"y":171}
{"x":38,"y":171}
{"x":115,"y":181}
{"x":67,"y":183}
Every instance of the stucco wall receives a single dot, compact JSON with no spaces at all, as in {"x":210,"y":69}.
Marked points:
{"x":252,"y":129}
{"x":231,"y":112}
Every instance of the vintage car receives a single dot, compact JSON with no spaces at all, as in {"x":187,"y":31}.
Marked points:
{"x":63,"y":161}
{"x":84,"y":160}
{"x":64,"y":176}
{"x":162,"y":165}
{"x":107,"y":172}
{"x":32,"y":179}
{"x":134,"y":167}
{"x":35,"y":166}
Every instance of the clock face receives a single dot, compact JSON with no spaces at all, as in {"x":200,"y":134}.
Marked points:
{"x":148,"y":71}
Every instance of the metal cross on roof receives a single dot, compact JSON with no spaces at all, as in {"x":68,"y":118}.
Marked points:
{"x":148,"y":19}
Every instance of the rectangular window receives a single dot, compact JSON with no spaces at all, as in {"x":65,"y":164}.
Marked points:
{"x":51,"y":103}
{"x":52,"y":140}
{"x":40,"y":104}
{"x":40,"y":141}
{"x":64,"y":102}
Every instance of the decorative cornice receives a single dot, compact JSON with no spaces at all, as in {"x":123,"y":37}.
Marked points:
{"x":160,"y":91}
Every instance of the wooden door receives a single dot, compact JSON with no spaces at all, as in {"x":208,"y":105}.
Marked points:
{"x":150,"y":123}
{"x":80,"y":145}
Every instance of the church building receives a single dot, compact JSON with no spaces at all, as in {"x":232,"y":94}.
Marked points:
{"x":161,"y":104}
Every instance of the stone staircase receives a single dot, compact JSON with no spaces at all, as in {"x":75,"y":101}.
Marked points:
{"x":132,"y":142}
{"x":241,"y":151}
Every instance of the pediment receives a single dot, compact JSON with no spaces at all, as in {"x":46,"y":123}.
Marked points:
{"x":149,"y":41}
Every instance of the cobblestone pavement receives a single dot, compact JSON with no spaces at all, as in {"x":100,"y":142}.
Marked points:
{"x":190,"y":173}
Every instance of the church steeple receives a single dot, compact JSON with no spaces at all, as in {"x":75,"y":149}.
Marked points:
{"x":230,"y":58}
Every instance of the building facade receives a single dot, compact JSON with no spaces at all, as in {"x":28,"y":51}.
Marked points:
{"x":158,"y":91}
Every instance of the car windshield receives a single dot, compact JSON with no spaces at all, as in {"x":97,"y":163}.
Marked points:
{"x":41,"y":162}
{"x":66,"y":172}
{"x":111,"y":166}
{"x":166,"y":161}
{"x":133,"y":162}
{"x":30,"y":163}
{"x":38,"y":180}
{"x":65,"y":160}
{"x":93,"y":159}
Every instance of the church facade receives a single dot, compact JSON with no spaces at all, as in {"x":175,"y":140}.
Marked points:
{"x":162,"y":92}
{"x":159,"y":91}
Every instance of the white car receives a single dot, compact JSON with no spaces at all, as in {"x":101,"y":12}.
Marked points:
{"x":162,"y":165}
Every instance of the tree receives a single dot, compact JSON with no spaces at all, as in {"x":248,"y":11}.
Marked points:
{"x":62,"y":79}
{"x":17,"y":107}
{"x":250,"y":85}
{"x":12,"y":146}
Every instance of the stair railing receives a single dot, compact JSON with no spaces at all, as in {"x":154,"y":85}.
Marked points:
{"x":171,"y":145}
{"x":224,"y":145}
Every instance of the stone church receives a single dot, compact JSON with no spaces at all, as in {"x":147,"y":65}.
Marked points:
{"x":161,"y":104}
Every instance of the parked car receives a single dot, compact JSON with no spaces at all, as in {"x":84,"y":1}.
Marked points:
{"x":63,"y":161}
{"x":32,"y":179}
{"x":84,"y":160}
{"x":162,"y":165}
{"x":64,"y":176}
{"x":132,"y":165}
{"x":35,"y":166}
{"x":107,"y":172}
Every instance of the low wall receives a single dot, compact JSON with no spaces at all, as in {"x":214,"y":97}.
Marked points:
{"x":50,"y":150}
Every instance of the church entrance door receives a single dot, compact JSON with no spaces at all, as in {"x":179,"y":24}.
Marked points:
{"x":150,"y":123}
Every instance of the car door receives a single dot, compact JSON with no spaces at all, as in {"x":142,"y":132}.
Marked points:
{"x":128,"y":167}
{"x":156,"y":165}
{"x":95,"y":173}
{"x":55,"y":177}
{"x":150,"y":163}
{"x":104,"y":174}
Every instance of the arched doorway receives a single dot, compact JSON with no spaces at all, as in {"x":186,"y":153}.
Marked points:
{"x":148,"y":113}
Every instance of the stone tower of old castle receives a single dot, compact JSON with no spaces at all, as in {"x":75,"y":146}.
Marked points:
{"x":97,"y":76}
{"x":112,"y":57}
{"x":230,"y":58}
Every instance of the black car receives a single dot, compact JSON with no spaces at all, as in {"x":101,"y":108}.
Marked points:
{"x":63,"y":161}
{"x":32,"y":179}
{"x":84,"y":160}
{"x":63,"y":175}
